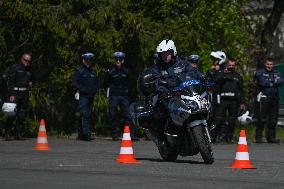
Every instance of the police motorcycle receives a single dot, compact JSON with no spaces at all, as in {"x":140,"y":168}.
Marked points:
{"x":186,"y":132}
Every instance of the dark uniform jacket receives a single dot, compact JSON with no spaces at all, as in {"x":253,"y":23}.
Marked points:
{"x":116,"y":80}
{"x":229,"y":85}
{"x":210,"y":75}
{"x":268,"y":82}
{"x":3,"y":89}
{"x":85,"y":80}
{"x":19,"y":78}
{"x":170,"y":73}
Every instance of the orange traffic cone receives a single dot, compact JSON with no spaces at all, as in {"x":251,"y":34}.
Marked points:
{"x":126,"y":151}
{"x":242,"y":156}
{"x":42,"y":138}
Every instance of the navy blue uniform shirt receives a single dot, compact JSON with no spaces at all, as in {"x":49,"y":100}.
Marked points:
{"x":117,"y":81}
{"x":85,"y":80}
{"x":268,"y":82}
{"x":170,"y":72}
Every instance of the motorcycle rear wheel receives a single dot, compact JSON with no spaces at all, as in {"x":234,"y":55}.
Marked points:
{"x":203,"y":144}
{"x":166,"y":152}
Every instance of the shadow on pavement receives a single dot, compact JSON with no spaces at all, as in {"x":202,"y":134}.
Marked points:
{"x":177,"y":161}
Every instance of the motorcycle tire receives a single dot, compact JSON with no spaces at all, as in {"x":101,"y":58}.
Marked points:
{"x":166,"y":152}
{"x":203,"y":144}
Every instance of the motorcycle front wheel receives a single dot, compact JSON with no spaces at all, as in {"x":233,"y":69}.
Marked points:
{"x":201,"y":140}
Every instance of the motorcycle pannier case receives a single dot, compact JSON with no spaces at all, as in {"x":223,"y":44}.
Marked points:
{"x":146,"y":82}
{"x":140,"y":114}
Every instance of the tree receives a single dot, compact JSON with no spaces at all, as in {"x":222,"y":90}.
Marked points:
{"x":57,"y":32}
{"x":269,"y":27}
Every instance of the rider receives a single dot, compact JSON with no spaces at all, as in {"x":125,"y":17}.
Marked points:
{"x":168,"y":67}
{"x":166,"y":73}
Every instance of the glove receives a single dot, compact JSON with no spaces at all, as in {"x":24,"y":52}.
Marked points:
{"x":77,"y":95}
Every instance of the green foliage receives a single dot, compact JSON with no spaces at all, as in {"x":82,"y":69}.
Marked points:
{"x":58,"y":32}
{"x":32,"y":129}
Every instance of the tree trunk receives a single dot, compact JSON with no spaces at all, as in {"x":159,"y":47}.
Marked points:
{"x":269,"y":27}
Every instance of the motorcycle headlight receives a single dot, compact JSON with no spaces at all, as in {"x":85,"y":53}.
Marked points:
{"x":192,"y":105}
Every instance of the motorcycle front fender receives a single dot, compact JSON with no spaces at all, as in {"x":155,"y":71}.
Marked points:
{"x":202,"y":122}
{"x":197,"y":122}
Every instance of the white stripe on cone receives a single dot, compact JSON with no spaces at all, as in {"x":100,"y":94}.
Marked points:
{"x":126,"y":150}
{"x":242,"y":140}
{"x":126,"y":136}
{"x":242,"y":156}
{"x":42,"y":140}
{"x":42,"y":128}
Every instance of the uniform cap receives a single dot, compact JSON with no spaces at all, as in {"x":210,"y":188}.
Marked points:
{"x":88,"y":56}
{"x":119,"y":55}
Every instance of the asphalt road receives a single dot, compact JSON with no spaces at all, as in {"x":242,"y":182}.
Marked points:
{"x":77,"y":164}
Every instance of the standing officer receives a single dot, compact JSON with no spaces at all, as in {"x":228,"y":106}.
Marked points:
{"x":117,"y":82}
{"x":3,"y":89}
{"x":194,"y":71}
{"x":19,"y":82}
{"x":86,"y":83}
{"x":268,"y":81}
{"x":230,"y":85}
{"x":218,"y":60}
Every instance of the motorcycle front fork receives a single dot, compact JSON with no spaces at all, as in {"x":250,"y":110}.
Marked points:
{"x":208,"y":135}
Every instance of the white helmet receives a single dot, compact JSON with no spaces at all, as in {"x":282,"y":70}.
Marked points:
{"x":219,"y":55}
{"x":167,"y":45}
{"x":245,"y":118}
{"x":9,"y":108}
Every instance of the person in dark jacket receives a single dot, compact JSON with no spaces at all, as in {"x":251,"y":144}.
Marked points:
{"x":86,"y":83}
{"x":268,"y":81}
{"x":218,"y":62}
{"x":3,"y":89}
{"x":194,"y":72}
{"x":19,"y":83}
{"x":117,"y":82}
{"x":169,"y":67}
{"x":230,"y":85}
